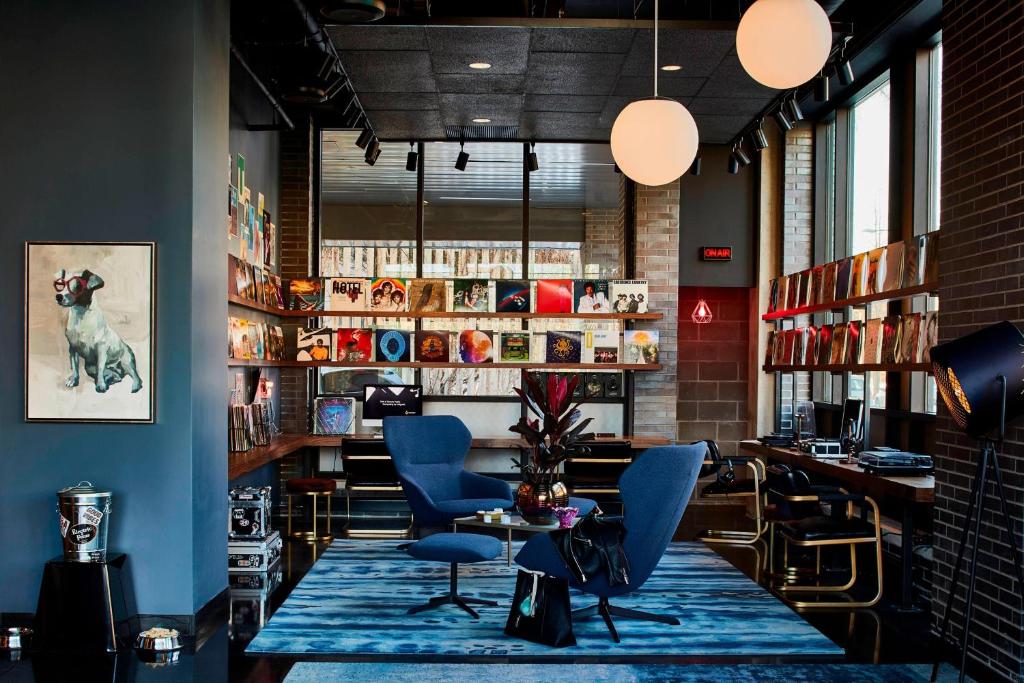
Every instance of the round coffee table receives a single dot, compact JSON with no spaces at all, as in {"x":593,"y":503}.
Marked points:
{"x":517,"y":523}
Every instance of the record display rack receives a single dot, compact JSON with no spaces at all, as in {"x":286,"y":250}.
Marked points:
{"x":567,"y":367}
{"x":892,"y":295}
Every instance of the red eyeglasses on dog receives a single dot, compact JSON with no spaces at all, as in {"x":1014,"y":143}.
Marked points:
{"x":60,"y":284}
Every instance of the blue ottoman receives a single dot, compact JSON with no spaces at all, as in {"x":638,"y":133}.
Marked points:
{"x":455,"y":549}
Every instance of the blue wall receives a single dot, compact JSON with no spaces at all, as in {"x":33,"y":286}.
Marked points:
{"x":114,"y":127}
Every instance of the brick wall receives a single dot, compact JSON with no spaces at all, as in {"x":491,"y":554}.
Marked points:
{"x":980,"y":271}
{"x":657,"y":261}
{"x":296,"y":223}
{"x":602,"y":246}
{"x":712,"y":387}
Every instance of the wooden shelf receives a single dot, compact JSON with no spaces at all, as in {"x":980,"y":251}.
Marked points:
{"x":856,"y":301}
{"x":467,"y":314}
{"x":850,"y":367}
{"x":236,"y":362}
{"x":256,"y":306}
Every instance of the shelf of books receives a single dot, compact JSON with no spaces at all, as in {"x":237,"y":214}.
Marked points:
{"x":896,"y":271}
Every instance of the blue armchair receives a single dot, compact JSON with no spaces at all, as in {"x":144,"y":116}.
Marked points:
{"x":429,"y":453}
{"x":655,"y":489}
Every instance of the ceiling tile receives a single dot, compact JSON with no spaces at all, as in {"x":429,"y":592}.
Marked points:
{"x":581,"y":40}
{"x":399,"y":101}
{"x":563,"y":103}
{"x":565,"y":126}
{"x":698,"y":52}
{"x":719,"y":129}
{"x":462,"y":109}
{"x":399,"y":71}
{"x":480,"y":83}
{"x":643,"y":86}
{"x":453,"y":48}
{"x":731,"y":80}
{"x":407,"y":125}
{"x":553,"y":73}
{"x":747,"y":107}
{"x":370,"y":37}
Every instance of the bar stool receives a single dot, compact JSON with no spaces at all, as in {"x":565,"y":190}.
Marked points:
{"x":314,"y":488}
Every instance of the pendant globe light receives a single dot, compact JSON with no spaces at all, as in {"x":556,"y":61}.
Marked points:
{"x":784,"y":43}
{"x":655,"y":140}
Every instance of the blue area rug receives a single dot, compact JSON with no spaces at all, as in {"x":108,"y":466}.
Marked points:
{"x":353,"y":602}
{"x":324,"y":672}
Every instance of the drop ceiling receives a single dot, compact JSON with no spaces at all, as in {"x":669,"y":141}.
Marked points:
{"x":553,"y":82}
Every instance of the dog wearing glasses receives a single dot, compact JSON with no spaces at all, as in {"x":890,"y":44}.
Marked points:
{"x":108,"y":359}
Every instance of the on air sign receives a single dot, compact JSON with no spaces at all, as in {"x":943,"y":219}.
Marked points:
{"x":716,"y":253}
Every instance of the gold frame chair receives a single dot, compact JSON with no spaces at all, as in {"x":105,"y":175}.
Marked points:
{"x":853,"y":542}
{"x":744,"y":537}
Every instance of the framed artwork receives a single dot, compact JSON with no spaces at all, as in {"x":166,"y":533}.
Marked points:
{"x":90,"y":331}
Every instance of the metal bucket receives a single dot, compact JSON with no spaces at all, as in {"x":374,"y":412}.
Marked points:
{"x":83,"y":513}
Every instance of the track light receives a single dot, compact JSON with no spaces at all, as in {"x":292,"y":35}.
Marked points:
{"x":844,"y":67}
{"x":782,"y":118}
{"x":793,"y":109}
{"x":412,"y":159}
{"x":364,"y":138}
{"x":372,"y":151}
{"x":741,"y":156}
{"x":695,"y":166}
{"x":531,"y":159}
{"x":821,"y":88}
{"x":734,"y":163}
{"x":460,"y":163}
{"x":757,"y":137}
{"x":615,"y":167}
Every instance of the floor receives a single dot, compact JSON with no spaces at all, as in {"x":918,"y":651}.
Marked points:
{"x":884,"y":635}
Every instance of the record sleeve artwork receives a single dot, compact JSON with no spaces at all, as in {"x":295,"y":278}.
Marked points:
{"x":89,"y":331}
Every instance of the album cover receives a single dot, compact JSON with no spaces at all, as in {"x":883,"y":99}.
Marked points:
{"x":387,"y":295}
{"x":259,"y":286}
{"x":255,"y":341}
{"x":769,"y":348}
{"x":564,"y":347}
{"x":276,"y":342}
{"x":828,"y":283}
{"x":843,"y":272}
{"x":778,"y":347}
{"x":554,"y":296}
{"x":853,"y":342}
{"x":515,"y":347}
{"x":628,"y":296}
{"x":475,"y":346}
{"x":250,"y":282}
{"x":788,"y":347}
{"x":890,"y":338}
{"x":929,"y":334}
{"x":313,"y":344}
{"x":912,"y":264}
{"x":353,"y":345}
{"x":805,"y":289}
{"x":860,"y":262}
{"x":824,"y":344}
{"x":238,"y":269}
{"x":593,"y":385}
{"x":871,"y":348}
{"x":892,"y":279}
{"x":930,"y":255}
{"x":232,"y":211}
{"x":817,"y":275}
{"x":512,"y":296}
{"x":240,"y":339}
{"x":800,"y":350}
{"x":275,"y":281}
{"x":793,"y":291}
{"x":591,"y":296}
{"x":640,"y":347}
{"x":773,"y":295}
{"x":600,"y":346}
{"x":873,"y":279}
{"x":470,"y":296}
{"x":909,"y":351}
{"x":810,"y":345}
{"x":783,"y":292}
{"x":612,"y":384}
{"x":334,"y":415}
{"x":838,"y":344}
{"x":307,"y":294}
{"x":392,"y":346}
{"x":428,"y":296}
{"x":432,"y":346}
{"x":346,"y":294}
{"x":269,"y":293}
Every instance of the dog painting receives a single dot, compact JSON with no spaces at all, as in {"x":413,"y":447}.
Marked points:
{"x":89,"y":331}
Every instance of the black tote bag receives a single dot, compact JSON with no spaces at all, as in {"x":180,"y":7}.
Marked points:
{"x":550,"y":620}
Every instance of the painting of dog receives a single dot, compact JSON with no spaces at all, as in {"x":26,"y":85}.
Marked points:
{"x":89,"y":331}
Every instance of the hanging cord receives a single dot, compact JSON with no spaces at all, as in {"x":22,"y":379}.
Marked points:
{"x":655,"y":48}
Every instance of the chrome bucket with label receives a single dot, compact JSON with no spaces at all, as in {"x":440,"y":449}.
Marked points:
{"x":83,"y":513}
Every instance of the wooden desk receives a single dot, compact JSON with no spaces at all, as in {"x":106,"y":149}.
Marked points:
{"x":907,"y":492}
{"x":243,"y":462}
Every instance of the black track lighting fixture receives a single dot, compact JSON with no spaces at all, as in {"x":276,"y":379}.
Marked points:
{"x":695,"y":166}
{"x":364,"y":138}
{"x":615,"y":167}
{"x":844,"y":67}
{"x":460,"y":163}
{"x":531,"y":159}
{"x":782,"y":119}
{"x":793,"y":109}
{"x":757,"y":137}
{"x":734,"y":163}
{"x":412,"y":160}
{"x":741,"y":156}
{"x":372,"y":151}
{"x":821,"y":87}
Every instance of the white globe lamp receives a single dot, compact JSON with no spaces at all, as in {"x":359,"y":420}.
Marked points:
{"x":654,"y":141}
{"x":784,"y":43}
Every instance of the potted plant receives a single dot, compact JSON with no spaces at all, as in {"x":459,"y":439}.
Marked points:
{"x":553,"y":432}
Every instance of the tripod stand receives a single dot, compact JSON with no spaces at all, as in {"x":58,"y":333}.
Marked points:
{"x":975,"y":511}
